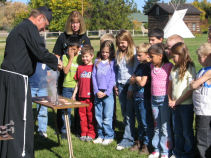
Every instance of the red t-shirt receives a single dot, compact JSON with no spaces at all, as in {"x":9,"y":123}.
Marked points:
{"x":84,"y":78}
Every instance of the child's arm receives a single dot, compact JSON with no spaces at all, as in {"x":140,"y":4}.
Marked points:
{"x":141,"y":80}
{"x":170,"y":93}
{"x":75,"y":92}
{"x":195,"y":84}
{"x":133,"y":79}
{"x":67,"y":68}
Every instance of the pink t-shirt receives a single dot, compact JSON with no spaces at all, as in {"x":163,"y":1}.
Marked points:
{"x":160,"y":79}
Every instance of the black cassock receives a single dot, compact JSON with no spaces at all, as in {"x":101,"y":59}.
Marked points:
{"x":24,"y":47}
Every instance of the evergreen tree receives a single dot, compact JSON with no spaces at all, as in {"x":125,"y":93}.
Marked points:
{"x":148,"y":5}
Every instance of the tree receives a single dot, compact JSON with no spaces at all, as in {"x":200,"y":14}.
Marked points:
{"x":109,"y":14}
{"x":148,"y":5}
{"x":61,"y":10}
{"x":10,"y":12}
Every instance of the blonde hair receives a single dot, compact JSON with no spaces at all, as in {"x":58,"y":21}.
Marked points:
{"x":75,"y":16}
{"x":107,"y":37}
{"x":204,"y":49}
{"x":143,"y":48}
{"x":125,"y":35}
{"x":176,"y":38}
{"x":184,"y":58}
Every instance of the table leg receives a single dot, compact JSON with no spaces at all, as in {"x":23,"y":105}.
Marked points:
{"x":69,"y":139}
{"x":57,"y":130}
{"x":36,"y":115}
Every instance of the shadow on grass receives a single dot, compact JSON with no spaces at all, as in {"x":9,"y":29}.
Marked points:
{"x":41,"y":143}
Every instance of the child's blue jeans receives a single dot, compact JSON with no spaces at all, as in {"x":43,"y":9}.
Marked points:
{"x":128,"y":113}
{"x":104,"y":109}
{"x":43,"y":113}
{"x":161,"y":140}
{"x":183,"y":131}
{"x":145,"y":120}
{"x":66,"y":92}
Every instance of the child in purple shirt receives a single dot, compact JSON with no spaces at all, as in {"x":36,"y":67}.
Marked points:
{"x":103,"y":78}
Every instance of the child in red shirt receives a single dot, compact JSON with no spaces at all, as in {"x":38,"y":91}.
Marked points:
{"x":85,"y":93}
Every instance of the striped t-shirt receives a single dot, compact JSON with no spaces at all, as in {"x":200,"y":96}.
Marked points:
{"x":160,"y":79}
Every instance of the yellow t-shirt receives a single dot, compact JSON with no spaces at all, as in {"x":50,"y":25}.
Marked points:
{"x":69,"y":81}
{"x":180,"y":87}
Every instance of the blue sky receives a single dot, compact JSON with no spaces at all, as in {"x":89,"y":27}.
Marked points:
{"x":140,"y":3}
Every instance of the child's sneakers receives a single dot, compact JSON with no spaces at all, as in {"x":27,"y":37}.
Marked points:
{"x":89,"y":139}
{"x":120,"y":147}
{"x":83,"y":138}
{"x":154,"y":155}
{"x":107,"y":141}
{"x":98,"y":141}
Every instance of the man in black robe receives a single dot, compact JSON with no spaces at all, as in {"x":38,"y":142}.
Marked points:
{"x":24,"y":48}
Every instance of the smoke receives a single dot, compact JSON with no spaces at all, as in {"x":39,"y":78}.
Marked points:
{"x":52,"y":85}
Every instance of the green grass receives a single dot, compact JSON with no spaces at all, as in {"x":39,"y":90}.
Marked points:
{"x":48,"y":148}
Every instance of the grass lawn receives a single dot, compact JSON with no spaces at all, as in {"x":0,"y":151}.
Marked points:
{"x":48,"y":148}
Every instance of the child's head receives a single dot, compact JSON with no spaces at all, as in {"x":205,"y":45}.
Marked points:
{"x":73,"y":46}
{"x":107,"y":50}
{"x":107,"y":37}
{"x":125,"y":44}
{"x":75,"y":24}
{"x":157,"y":54}
{"x":142,"y":52}
{"x":156,"y":36}
{"x":181,"y":57}
{"x":87,"y":53}
{"x":204,"y":54}
{"x":172,"y":40}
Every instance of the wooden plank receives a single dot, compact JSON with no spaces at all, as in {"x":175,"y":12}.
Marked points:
{"x":64,"y":103}
{"x":8,"y":137}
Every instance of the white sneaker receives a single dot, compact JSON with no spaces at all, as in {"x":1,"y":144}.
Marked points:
{"x":43,"y":134}
{"x":119,"y":147}
{"x":98,"y":141}
{"x":154,"y":155}
{"x":173,"y":156}
{"x":165,"y":156}
{"x":107,"y":141}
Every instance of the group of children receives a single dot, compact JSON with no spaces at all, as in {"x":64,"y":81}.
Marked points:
{"x":154,"y":83}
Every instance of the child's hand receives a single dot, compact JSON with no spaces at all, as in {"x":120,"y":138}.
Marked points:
{"x":71,"y":54}
{"x":129,"y":94}
{"x":73,"y":97}
{"x":116,"y":90}
{"x":100,"y":94}
{"x":172,"y":103}
{"x":132,"y":79}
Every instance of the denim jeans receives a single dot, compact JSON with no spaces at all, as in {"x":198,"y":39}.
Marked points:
{"x":128,"y":113}
{"x":104,"y":109}
{"x":183,"y":131}
{"x":145,"y":120}
{"x":203,"y":136}
{"x":43,"y":113}
{"x":66,"y":92}
{"x":161,"y":140}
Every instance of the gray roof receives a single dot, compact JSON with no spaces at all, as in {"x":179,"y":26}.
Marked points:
{"x":138,"y":17}
{"x":169,"y":8}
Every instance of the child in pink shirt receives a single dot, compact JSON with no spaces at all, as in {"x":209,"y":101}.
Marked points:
{"x":160,"y":71}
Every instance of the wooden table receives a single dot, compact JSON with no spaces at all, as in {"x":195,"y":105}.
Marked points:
{"x":64,"y":103}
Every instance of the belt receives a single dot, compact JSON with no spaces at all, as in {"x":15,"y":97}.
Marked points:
{"x":25,"y":77}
